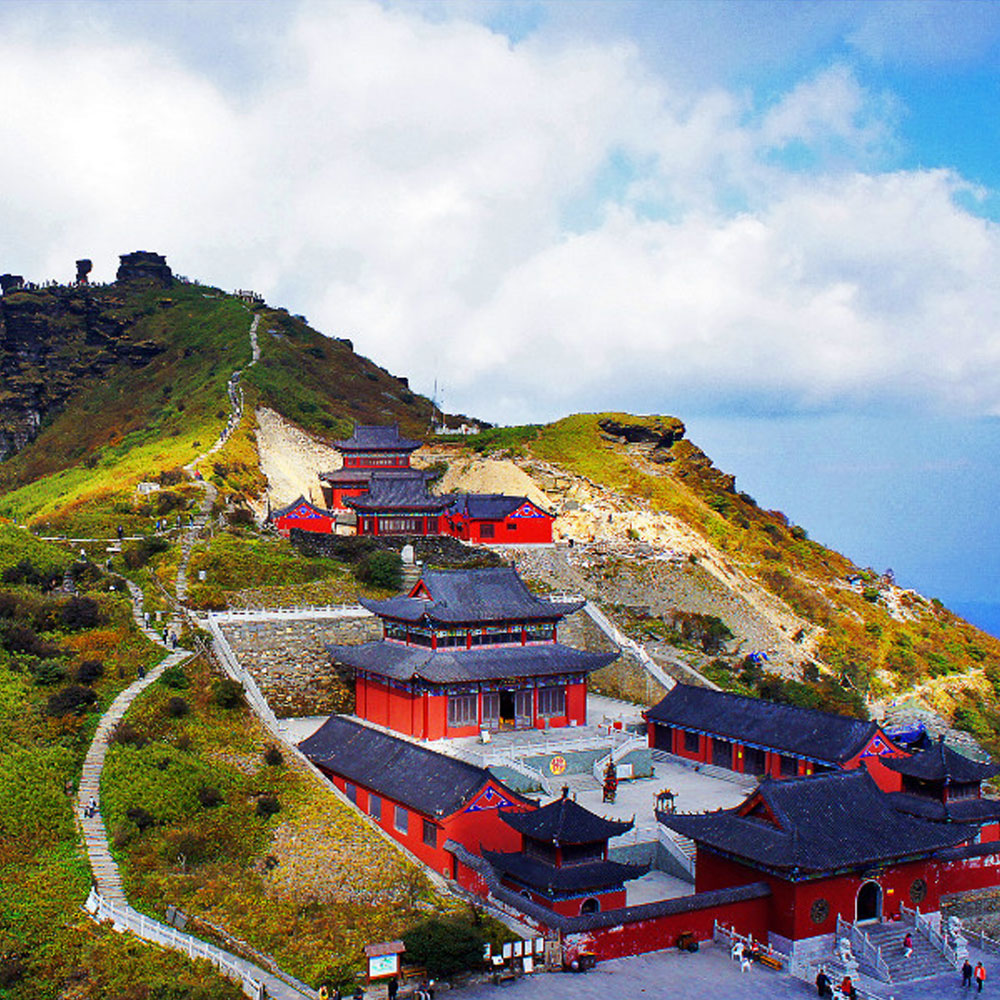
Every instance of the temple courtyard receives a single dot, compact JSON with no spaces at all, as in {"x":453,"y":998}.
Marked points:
{"x":706,"y":975}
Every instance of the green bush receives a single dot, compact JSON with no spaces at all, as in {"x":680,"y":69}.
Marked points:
{"x":443,"y":947}
{"x":177,"y":707}
{"x":228,"y":694}
{"x":268,"y":805}
{"x":381,"y":569}
{"x":73,"y":700}
{"x":175,"y":678}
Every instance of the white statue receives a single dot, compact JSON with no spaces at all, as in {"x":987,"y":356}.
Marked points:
{"x":957,"y":938}
{"x":847,"y":958}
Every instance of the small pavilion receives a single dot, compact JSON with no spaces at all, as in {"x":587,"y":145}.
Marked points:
{"x":371,"y":448}
{"x":940,"y":784}
{"x":563,"y":859}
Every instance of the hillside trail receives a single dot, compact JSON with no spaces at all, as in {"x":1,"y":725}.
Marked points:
{"x":107,"y":899}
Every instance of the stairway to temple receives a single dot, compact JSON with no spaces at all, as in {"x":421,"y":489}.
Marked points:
{"x":925,"y":961}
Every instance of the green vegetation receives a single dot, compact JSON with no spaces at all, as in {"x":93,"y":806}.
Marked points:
{"x":452,"y":944}
{"x":46,"y":941}
{"x":205,"y":816}
{"x":235,"y":561}
{"x":497,"y":440}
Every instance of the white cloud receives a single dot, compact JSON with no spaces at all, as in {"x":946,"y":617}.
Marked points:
{"x":408,"y":183}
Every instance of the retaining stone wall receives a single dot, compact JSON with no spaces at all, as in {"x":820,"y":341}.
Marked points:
{"x":288,"y":661}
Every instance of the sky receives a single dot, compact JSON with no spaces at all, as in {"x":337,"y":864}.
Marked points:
{"x":778,"y":221}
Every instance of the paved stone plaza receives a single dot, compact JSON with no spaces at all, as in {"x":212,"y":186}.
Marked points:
{"x":707,"y":975}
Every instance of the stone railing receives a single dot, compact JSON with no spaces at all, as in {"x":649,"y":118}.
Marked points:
{"x":861,"y":944}
{"x":927,"y":928}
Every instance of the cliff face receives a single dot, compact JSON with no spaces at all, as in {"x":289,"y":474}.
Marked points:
{"x":53,"y":342}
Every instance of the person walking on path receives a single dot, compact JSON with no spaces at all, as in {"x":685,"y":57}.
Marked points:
{"x":393,"y":988}
{"x":967,"y":974}
{"x":980,"y":975}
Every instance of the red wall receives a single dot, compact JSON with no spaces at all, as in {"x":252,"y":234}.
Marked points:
{"x":791,"y":902}
{"x":285,"y":523}
{"x":510,"y":530}
{"x":887,"y":780}
{"x":425,"y":715}
{"x":472,"y":827}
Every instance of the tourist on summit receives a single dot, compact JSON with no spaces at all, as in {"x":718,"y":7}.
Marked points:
{"x":823,"y":987}
{"x":980,"y":977}
{"x":967,"y":974}
{"x":908,"y":945}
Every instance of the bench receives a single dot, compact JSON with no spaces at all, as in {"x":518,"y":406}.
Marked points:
{"x":501,"y":977}
{"x":771,"y":961}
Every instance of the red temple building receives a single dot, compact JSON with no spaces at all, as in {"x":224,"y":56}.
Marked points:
{"x":754,"y":736}
{"x":832,"y":844}
{"x":562,"y":860}
{"x":942,"y":785}
{"x":305,"y":516}
{"x":371,"y":449}
{"x":467,"y":650}
{"x":497,"y":519}
{"x":419,"y":797}
{"x":398,"y":504}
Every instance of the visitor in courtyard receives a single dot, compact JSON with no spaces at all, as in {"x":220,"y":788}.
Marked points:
{"x":967,"y":974}
{"x":393,"y":988}
{"x":980,"y":976}
{"x":823,"y":987}
{"x":908,"y":945}
{"x":847,"y":988}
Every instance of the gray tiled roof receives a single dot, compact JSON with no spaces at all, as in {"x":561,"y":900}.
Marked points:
{"x":807,"y":732}
{"x":295,"y":504}
{"x":473,"y":595}
{"x":431,"y":783}
{"x":481,"y":663}
{"x":389,"y":491}
{"x":824,"y":822}
{"x":486,"y":506}
{"x":376,"y":437}
{"x":955,"y":810}
{"x":565,"y":822}
{"x":940,"y":763}
{"x":592,"y":876}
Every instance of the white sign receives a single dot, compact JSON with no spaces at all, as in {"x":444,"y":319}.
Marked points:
{"x":382,"y":965}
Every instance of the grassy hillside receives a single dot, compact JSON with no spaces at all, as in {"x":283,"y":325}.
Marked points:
{"x":879,"y":643}
{"x":49,"y":646}
{"x":121,"y":423}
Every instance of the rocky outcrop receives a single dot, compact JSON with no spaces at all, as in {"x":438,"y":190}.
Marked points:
{"x":145,"y":267}
{"x":660,"y":432}
{"x":10,"y":283}
{"x":83,"y":269}
{"x":52,"y":342}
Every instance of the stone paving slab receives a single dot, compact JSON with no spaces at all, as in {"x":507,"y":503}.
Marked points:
{"x":709,"y":974}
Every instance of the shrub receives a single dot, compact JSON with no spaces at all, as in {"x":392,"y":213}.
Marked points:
{"x":381,"y":569}
{"x":24,"y":639}
{"x":241,"y":517}
{"x":80,"y":612}
{"x":267,"y":806}
{"x":273,"y":757}
{"x":47,"y":672}
{"x":177,"y":707}
{"x":73,"y":700}
{"x":228,"y":694}
{"x":799,"y":533}
{"x":210,"y":797}
{"x":89,"y":671}
{"x":127,"y":735}
{"x":445,"y":946}
{"x":175,"y":678}
{"x":137,"y":554}
{"x":26,"y":572}
{"x":142,"y":818}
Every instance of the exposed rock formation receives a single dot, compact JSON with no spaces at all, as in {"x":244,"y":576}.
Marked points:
{"x":144,"y":266}
{"x":83,"y":268}
{"x":10,"y":283}
{"x":52,"y":341}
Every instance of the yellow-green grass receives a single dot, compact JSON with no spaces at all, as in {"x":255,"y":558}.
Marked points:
{"x":332,"y":884}
{"x":46,"y":941}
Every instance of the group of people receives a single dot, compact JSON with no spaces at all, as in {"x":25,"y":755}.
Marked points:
{"x":824,"y":985}
{"x":978,"y":974}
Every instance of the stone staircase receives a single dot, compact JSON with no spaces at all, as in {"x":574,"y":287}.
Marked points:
{"x":925,"y":961}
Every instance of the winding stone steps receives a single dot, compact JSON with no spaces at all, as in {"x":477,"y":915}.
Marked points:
{"x":107,"y":875}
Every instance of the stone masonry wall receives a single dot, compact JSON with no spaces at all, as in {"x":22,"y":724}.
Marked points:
{"x":288,"y":661}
